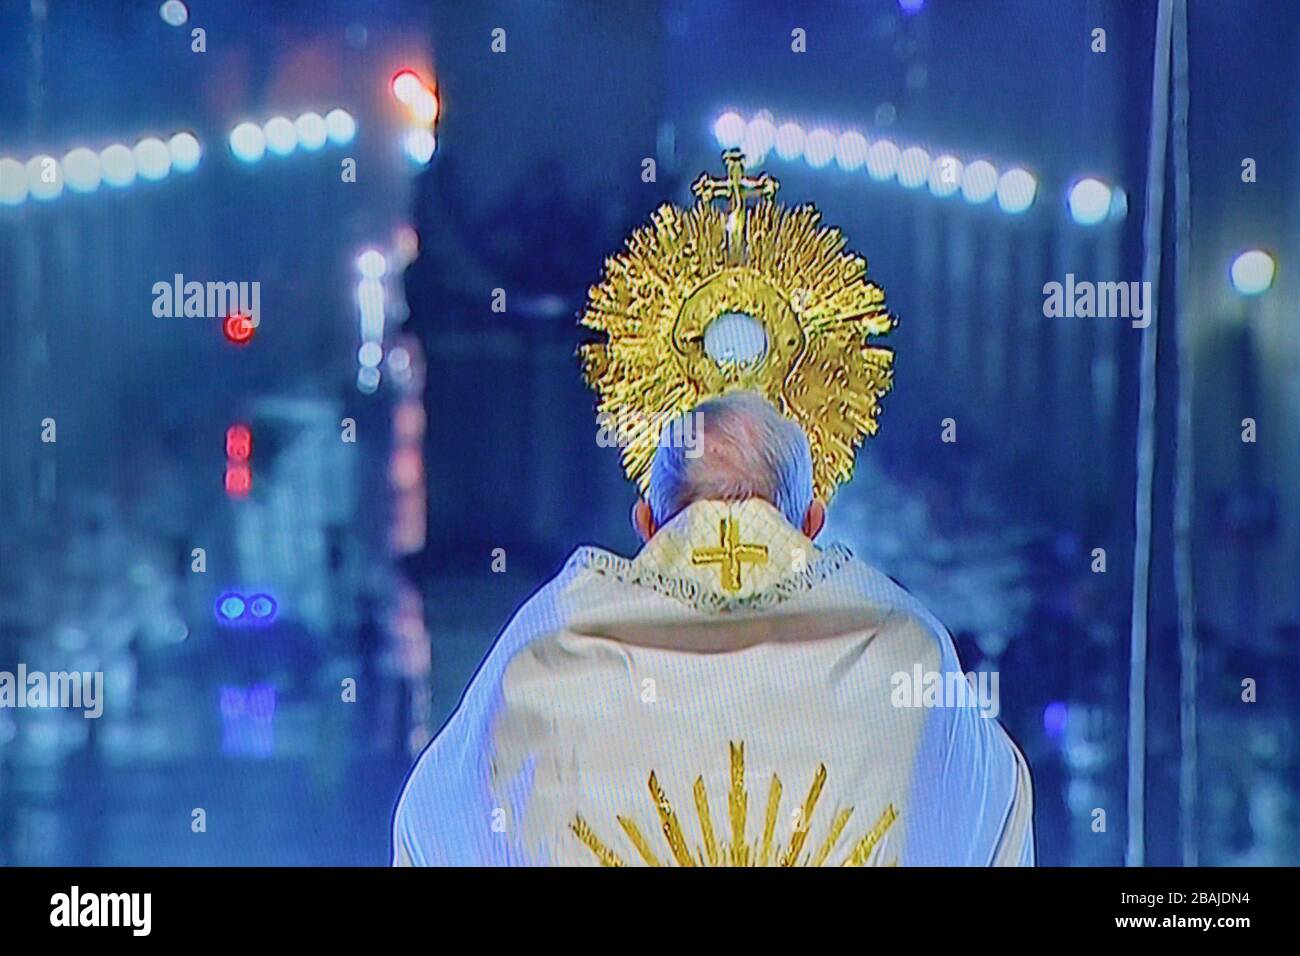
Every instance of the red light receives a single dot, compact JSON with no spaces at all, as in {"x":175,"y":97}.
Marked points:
{"x":239,"y":480}
{"x":238,"y":329}
{"x":239,"y":443}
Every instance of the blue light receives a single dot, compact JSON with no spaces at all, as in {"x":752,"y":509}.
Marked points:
{"x":341,"y":127}
{"x":230,"y":607}
{"x":1089,"y":201}
{"x":262,"y":607}
{"x":1055,"y":718}
{"x":911,"y":6}
{"x":248,"y":142}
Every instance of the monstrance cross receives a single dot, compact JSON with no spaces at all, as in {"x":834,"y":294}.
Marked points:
{"x":730,"y":554}
{"x":735,"y":189}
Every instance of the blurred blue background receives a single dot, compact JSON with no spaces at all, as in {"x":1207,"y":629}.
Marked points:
{"x":521,"y":170}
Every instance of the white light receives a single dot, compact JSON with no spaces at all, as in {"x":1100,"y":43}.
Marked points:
{"x":399,"y":360}
{"x":13,"y":182}
{"x":117,"y":163}
{"x":945,"y":175}
{"x":406,"y":86}
{"x":367,"y":379}
{"x":281,"y":137}
{"x":153,"y":161}
{"x":729,"y":130}
{"x":341,"y":127}
{"x":914,"y":167}
{"x":423,"y":105}
{"x":789,"y":141}
{"x":185,"y":152}
{"x":1089,"y":201}
{"x":1016,"y":190}
{"x":370,"y":298}
{"x":882,"y":160}
{"x":370,"y":354}
{"x":851,"y":150}
{"x":248,"y":142}
{"x":419,"y":144}
{"x":174,"y":13}
{"x":979,"y":181}
{"x":81,"y":168}
{"x":44,"y":177}
{"x":759,"y":138}
{"x":761,"y":132}
{"x":311,"y":130}
{"x":1252,"y":272}
{"x":819,"y":148}
{"x":372,"y":264}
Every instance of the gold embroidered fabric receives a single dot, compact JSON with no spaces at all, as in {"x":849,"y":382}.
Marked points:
{"x":738,"y":847}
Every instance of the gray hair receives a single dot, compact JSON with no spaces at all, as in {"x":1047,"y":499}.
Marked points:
{"x":747,"y":450}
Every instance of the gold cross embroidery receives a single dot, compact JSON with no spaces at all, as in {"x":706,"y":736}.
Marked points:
{"x":730,"y":554}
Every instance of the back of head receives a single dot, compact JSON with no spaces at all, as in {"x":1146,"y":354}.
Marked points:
{"x":745,"y":449}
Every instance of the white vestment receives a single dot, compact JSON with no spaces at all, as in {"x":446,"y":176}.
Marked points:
{"x":728,"y":697}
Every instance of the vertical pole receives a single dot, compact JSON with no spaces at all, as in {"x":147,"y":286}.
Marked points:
{"x":1135,"y":849}
{"x":1184,"y":478}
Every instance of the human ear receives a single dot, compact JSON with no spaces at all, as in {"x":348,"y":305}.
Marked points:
{"x":643,"y":519}
{"x":814,"y":519}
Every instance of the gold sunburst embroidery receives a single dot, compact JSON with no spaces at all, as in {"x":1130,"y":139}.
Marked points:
{"x":777,"y":264}
{"x":738,"y":850}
